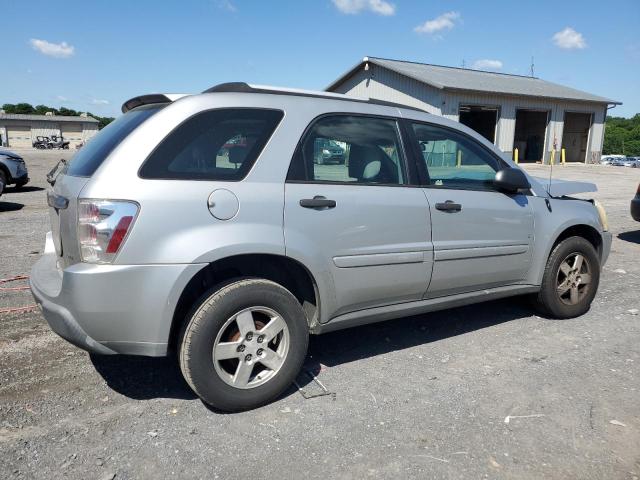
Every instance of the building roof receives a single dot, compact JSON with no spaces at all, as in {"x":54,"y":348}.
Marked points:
{"x":453,"y":78}
{"x":47,"y":118}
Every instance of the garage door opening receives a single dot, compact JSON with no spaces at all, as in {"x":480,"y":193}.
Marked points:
{"x":481,"y":119}
{"x":19,"y":136}
{"x":531,"y":130}
{"x":575,"y":136}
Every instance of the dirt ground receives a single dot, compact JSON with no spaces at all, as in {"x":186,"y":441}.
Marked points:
{"x":486,"y":391}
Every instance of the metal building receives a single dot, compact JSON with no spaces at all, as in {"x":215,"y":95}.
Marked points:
{"x":21,"y":130}
{"x":512,"y":111}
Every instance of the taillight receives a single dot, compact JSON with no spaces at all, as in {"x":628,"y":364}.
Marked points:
{"x":103,"y":226}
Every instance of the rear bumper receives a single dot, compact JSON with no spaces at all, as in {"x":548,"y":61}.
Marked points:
{"x":110,"y":309}
{"x":635,"y":208}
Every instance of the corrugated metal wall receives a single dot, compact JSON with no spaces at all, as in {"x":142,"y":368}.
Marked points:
{"x":383,"y":84}
{"x":47,"y":129}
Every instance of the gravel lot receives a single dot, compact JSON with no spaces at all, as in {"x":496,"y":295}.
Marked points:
{"x":484,"y":391}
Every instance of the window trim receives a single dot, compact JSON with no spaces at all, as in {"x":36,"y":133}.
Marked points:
{"x":405,"y":160}
{"x":422,"y":168}
{"x":195,"y":179}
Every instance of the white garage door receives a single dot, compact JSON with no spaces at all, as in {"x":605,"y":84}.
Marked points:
{"x":19,"y":136}
{"x":72,"y":133}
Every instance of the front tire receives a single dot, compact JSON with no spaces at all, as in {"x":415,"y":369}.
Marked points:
{"x":244,"y":344}
{"x":570,"y":279}
{"x":3,"y":182}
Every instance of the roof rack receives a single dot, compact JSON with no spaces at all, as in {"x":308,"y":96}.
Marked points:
{"x":242,"y":87}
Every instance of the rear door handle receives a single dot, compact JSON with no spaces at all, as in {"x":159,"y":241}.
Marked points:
{"x":449,"y":206}
{"x":317,"y":202}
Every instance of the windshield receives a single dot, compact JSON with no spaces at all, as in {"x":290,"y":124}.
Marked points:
{"x":90,"y":157}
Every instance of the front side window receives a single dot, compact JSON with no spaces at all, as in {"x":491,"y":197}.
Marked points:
{"x":453,"y":160}
{"x":350,"y":149}
{"x":218,"y":144}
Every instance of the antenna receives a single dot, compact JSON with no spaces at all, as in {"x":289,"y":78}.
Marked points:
{"x":532,"y":66}
{"x":463,"y":64}
{"x":550,"y":177}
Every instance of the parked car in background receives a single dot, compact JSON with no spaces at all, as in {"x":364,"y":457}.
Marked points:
{"x":615,"y":160}
{"x":633,"y":162}
{"x":160,"y":244}
{"x":13,"y":170}
{"x":635,"y":205}
{"x":328,"y":151}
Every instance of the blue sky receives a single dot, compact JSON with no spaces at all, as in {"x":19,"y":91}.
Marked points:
{"x":95,"y":55}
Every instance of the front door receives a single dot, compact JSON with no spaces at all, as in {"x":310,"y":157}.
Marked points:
{"x":354,"y":221}
{"x":482,"y":238}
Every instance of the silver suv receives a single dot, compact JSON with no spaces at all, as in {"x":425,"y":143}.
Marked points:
{"x":204,"y":225}
{"x":13,"y":170}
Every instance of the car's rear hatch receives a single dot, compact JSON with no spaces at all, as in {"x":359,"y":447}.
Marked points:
{"x":71,"y":178}
{"x":63,"y":212}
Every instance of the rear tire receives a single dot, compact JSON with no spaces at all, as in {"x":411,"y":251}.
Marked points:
{"x":243,"y":344}
{"x":3,"y":182}
{"x":570,"y":279}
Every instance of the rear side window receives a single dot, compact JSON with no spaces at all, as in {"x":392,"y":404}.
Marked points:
{"x":218,"y":144}
{"x":90,"y":157}
{"x":350,"y":149}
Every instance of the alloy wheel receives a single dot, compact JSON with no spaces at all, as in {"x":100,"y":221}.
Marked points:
{"x":251,"y":347}
{"x":573,"y":280}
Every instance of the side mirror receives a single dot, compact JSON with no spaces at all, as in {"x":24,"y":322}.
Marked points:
{"x":511,"y":180}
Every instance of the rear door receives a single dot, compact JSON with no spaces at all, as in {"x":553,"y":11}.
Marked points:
{"x":357,"y":223}
{"x":482,"y":238}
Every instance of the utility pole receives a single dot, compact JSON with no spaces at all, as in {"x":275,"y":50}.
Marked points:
{"x":532,"y":65}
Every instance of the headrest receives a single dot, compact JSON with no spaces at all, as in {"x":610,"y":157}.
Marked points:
{"x":237,"y":154}
{"x":365,"y":161}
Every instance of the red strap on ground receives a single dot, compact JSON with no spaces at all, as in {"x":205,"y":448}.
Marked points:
{"x":13,"y":289}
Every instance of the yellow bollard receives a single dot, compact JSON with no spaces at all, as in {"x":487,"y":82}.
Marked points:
{"x":553,"y":157}
{"x":515,"y":155}
{"x":562,"y":156}
{"x":459,"y":160}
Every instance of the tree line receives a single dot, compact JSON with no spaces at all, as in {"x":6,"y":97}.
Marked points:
{"x":28,"y":109}
{"x":622,"y":136}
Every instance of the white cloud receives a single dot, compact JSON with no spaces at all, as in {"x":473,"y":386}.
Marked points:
{"x":446,"y":21}
{"x":487,"y":64}
{"x":62,"y":98}
{"x":57,"y":50}
{"x":569,"y":39}
{"x":226,"y":5}
{"x":97,"y":101}
{"x":381,"y":7}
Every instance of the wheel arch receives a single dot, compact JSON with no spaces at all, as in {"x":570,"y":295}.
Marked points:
{"x":588,"y":232}
{"x":285,"y":271}
{"x":4,"y":169}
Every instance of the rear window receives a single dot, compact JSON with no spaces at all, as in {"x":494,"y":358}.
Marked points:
{"x":220,"y":144}
{"x":87,"y":160}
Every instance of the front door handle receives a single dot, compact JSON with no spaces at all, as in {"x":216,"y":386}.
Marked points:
{"x":317,"y":202}
{"x":449,"y":206}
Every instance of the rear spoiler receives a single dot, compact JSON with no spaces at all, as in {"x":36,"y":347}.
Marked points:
{"x":151,"y":99}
